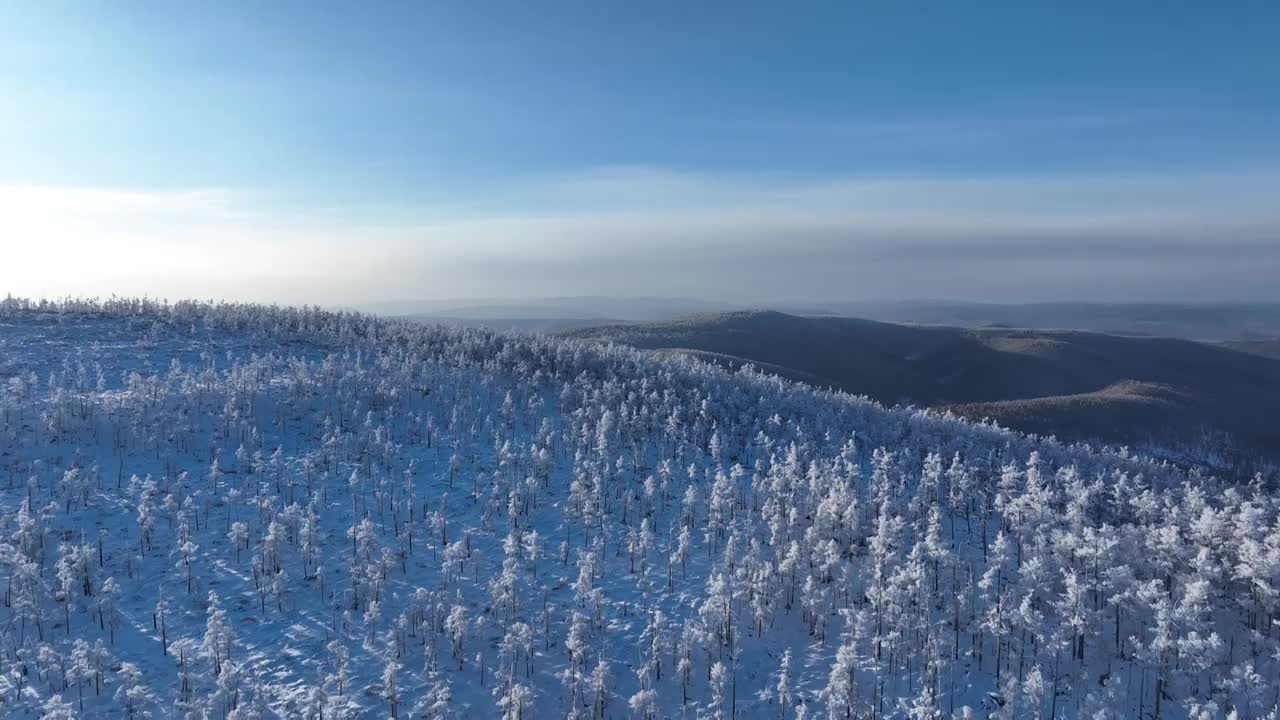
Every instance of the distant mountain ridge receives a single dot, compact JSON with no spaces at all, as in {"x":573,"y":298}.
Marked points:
{"x":1194,"y":321}
{"x":1213,"y":322}
{"x":1074,"y":384}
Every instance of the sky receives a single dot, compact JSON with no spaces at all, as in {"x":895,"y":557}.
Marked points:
{"x":354,"y":153}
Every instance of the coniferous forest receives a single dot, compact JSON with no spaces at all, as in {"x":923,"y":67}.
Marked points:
{"x":239,"y":511}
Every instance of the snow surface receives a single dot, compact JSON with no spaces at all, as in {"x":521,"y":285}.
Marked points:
{"x":487,"y":524}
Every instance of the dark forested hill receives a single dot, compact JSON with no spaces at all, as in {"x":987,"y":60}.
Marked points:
{"x":1194,"y":321}
{"x":1075,"y":384}
{"x":1268,"y":347}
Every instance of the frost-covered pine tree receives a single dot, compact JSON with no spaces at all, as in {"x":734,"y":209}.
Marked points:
{"x":55,"y":708}
{"x":218,"y":637}
{"x":717,"y":680}
{"x":436,"y":703}
{"x":390,"y":682}
{"x":781,"y":692}
{"x":131,"y":693}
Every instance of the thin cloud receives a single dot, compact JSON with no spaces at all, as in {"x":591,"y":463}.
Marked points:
{"x":746,"y":238}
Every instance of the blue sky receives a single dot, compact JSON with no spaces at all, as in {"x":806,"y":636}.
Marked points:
{"x":464,"y":144}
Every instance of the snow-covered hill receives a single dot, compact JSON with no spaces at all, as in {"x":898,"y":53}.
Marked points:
{"x":239,"y":511}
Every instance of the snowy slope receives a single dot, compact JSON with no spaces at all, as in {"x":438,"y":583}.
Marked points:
{"x":240,"y":511}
